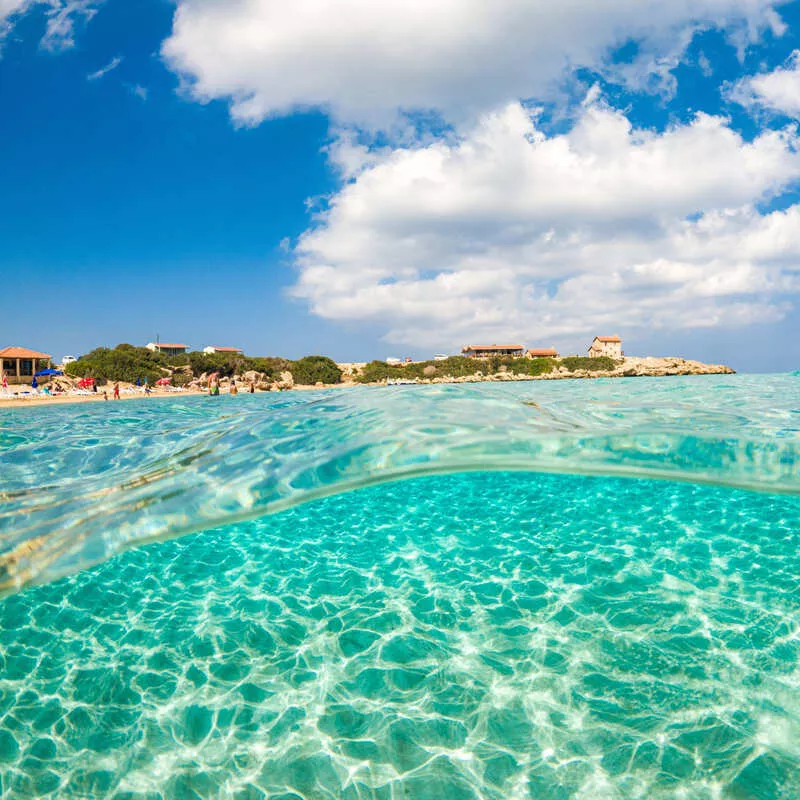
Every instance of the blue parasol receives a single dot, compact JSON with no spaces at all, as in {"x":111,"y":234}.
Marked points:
{"x":47,"y":371}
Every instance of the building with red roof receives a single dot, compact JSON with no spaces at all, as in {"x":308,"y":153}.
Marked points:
{"x":543,"y":352}
{"x":19,"y":364}
{"x":486,"y":350}
{"x":167,"y":349}
{"x":610,"y":346}
{"x":231,"y":351}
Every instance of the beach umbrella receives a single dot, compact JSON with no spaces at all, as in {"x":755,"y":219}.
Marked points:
{"x":164,"y":381}
{"x":48,"y":372}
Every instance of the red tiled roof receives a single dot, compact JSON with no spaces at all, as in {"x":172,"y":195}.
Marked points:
{"x":492,"y":347}
{"x":608,"y":338}
{"x":228,"y":349}
{"x":21,"y":352}
{"x":542,"y":352}
{"x":164,"y":344}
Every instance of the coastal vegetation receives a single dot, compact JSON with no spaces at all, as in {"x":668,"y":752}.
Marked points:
{"x":124,"y":363}
{"x":139,"y":364}
{"x":463,"y":367}
{"x":315,"y":369}
{"x":230,"y":364}
{"x":131,"y":364}
{"x":596,"y":364}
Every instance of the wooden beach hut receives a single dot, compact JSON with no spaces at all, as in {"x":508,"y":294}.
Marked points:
{"x":19,"y":364}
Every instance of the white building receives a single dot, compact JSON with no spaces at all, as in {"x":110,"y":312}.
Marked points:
{"x":230,"y":351}
{"x":610,"y":346}
{"x":167,"y":349}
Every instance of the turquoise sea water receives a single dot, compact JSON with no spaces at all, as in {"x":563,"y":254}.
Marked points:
{"x":496,"y":632}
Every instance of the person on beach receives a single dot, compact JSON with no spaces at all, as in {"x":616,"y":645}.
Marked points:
{"x":252,"y":387}
{"x":105,"y":395}
{"x":234,"y":390}
{"x":116,"y":391}
{"x":213,"y":385}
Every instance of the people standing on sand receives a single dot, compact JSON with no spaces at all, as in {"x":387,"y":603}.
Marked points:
{"x":105,"y":395}
{"x":233,"y":389}
{"x":213,"y":384}
{"x":252,"y":387}
{"x":116,"y":390}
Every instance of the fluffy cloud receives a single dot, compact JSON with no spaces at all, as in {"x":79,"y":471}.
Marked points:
{"x":363,"y":60}
{"x":510,"y":233}
{"x":777,"y":91}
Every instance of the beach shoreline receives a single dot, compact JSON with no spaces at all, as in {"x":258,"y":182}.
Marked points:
{"x":629,"y":367}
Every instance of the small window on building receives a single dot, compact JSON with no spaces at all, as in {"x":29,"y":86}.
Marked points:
{"x":26,"y":366}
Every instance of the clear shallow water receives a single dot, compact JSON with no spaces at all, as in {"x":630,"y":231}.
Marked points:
{"x":484,"y":634}
{"x":488,"y":635}
{"x":81,"y":483}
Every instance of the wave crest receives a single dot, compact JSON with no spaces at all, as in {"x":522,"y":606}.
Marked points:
{"x":81,"y":483}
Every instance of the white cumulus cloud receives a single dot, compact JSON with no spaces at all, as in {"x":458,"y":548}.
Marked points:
{"x":778,"y":90}
{"x":508,"y":232}
{"x":364,"y":60}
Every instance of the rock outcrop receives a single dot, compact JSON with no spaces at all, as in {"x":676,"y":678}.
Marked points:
{"x":629,"y":367}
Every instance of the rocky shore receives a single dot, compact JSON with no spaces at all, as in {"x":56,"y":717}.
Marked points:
{"x":629,"y":367}
{"x":626,"y":368}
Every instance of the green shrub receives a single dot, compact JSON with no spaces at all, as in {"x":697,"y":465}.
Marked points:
{"x":270,"y":366}
{"x":600,"y":364}
{"x":226,"y":364}
{"x":181,"y":378}
{"x":531,"y":366}
{"x":313,"y":369}
{"x":455,"y":367}
{"x":379,"y":371}
{"x":124,"y":363}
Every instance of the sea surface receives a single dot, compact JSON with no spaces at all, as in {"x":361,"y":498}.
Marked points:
{"x":549,"y":590}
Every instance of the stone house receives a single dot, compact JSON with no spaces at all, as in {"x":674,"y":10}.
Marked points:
{"x":610,"y":346}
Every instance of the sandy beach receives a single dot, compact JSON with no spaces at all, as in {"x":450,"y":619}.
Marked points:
{"x":11,"y":401}
{"x":14,"y":401}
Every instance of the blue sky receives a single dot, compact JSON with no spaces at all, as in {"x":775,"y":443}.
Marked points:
{"x":271,"y":179}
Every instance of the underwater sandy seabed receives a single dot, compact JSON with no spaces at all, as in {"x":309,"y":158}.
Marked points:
{"x":481,"y":635}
